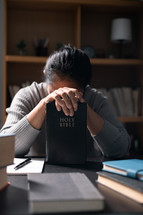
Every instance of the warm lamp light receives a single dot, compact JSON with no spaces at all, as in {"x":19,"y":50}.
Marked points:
{"x":121,"y":32}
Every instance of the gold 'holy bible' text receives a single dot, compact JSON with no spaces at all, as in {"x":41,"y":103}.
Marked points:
{"x":67,"y":122}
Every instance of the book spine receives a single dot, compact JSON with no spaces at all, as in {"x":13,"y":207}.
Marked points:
{"x":124,"y":100}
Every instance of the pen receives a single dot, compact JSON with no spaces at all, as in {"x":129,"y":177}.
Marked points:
{"x":28,"y":160}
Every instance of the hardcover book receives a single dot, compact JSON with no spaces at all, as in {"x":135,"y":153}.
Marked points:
{"x":7,"y":143}
{"x":65,"y":135}
{"x":131,"y":167}
{"x":132,"y":188}
{"x":63,"y":192}
{"x":3,"y":178}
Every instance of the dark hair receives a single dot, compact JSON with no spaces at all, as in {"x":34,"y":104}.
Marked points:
{"x":69,"y":62}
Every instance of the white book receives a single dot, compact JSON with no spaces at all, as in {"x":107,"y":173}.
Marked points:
{"x":115,"y":101}
{"x":128,"y":101}
{"x":120,"y":101}
{"x":63,"y":192}
{"x":136,"y":100}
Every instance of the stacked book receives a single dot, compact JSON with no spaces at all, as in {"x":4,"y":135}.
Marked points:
{"x":6,"y":157}
{"x":124,"y":176}
{"x":125,"y":100}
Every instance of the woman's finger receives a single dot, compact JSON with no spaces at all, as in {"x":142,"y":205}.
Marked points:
{"x":59,"y":108}
{"x":65,"y":110}
{"x":74,"y":100}
{"x":59,"y":100}
{"x":67,"y":100}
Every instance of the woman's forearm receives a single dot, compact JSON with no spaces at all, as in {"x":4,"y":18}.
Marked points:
{"x":95,"y":123}
{"x":37,"y":115}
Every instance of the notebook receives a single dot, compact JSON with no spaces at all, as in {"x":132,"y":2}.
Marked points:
{"x":35,"y":166}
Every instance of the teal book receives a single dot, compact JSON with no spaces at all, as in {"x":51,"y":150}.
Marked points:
{"x":130,"y":167}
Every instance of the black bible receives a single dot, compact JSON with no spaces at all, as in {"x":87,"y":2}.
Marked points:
{"x":66,"y":135}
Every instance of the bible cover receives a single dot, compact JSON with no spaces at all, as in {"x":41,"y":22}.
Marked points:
{"x":66,"y":136}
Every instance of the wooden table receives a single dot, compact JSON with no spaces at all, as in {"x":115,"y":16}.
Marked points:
{"x":14,"y":199}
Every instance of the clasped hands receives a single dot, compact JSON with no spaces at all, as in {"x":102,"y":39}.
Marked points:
{"x":66,"y":99}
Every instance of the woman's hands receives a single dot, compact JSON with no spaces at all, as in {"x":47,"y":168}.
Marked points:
{"x":66,"y":99}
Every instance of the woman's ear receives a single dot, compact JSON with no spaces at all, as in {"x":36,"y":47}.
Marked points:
{"x":44,"y":72}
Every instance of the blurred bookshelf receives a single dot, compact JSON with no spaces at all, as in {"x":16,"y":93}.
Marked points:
{"x":81,"y":23}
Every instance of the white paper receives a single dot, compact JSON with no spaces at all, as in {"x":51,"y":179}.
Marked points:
{"x":35,"y":166}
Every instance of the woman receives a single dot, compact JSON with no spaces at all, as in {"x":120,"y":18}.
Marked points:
{"x":67,"y":78}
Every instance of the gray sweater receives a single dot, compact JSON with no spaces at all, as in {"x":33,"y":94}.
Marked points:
{"x":111,"y":141}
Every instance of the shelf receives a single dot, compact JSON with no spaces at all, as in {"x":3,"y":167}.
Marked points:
{"x":80,"y":23}
{"x":94,"y":61}
{"x":25,"y":59}
{"x":105,"y":61}
{"x":134,"y":119}
{"x":100,"y":3}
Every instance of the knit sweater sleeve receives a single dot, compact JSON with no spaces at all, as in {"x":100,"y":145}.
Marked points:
{"x":113,"y":140}
{"x":16,"y":123}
